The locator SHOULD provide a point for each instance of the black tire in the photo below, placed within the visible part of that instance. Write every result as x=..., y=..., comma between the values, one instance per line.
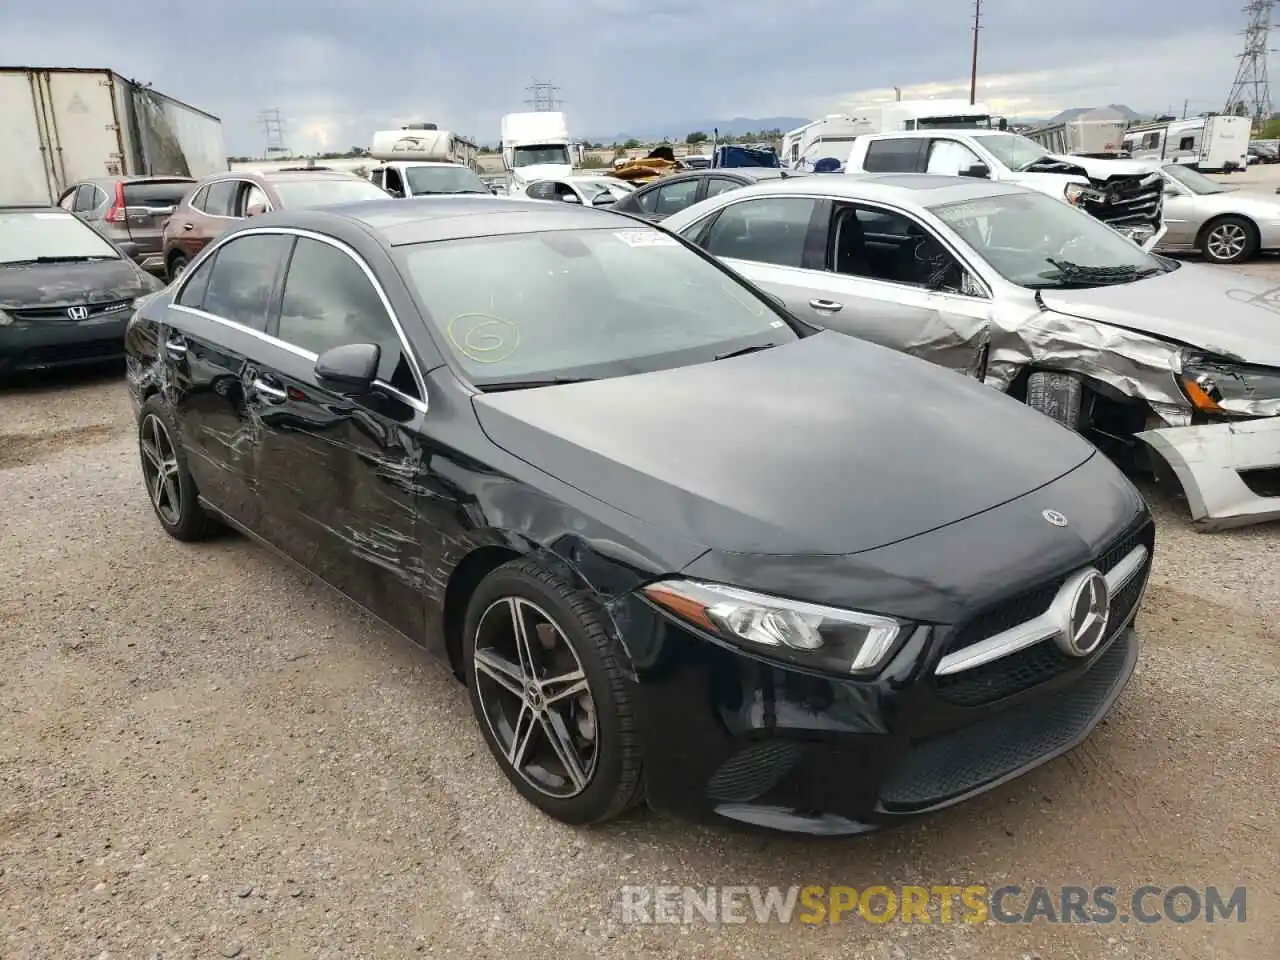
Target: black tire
x=1229, y=239
x=176, y=505
x=615, y=782
x=177, y=263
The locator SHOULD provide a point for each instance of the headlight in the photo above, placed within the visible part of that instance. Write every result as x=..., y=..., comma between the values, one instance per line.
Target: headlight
x=843, y=641
x=1220, y=387
x=1073, y=193
x=1139, y=233
x=5, y=319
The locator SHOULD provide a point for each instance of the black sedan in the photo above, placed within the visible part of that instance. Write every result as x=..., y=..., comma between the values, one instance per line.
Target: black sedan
x=661, y=198
x=680, y=547
x=66, y=293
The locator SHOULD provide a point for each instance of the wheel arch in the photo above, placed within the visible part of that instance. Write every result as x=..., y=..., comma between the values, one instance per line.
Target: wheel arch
x=1203, y=232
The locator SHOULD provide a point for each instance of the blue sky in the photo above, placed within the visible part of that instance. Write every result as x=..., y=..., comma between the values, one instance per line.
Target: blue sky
x=339, y=70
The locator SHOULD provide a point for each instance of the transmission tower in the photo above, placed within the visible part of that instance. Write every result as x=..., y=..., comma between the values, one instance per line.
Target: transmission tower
x=542, y=96
x=273, y=126
x=1251, y=92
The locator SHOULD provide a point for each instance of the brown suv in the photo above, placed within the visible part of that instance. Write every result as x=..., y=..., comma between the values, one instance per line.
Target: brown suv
x=129, y=211
x=217, y=202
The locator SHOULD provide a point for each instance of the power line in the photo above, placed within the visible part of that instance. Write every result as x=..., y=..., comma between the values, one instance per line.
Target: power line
x=273, y=126
x=1250, y=94
x=973, y=66
x=543, y=96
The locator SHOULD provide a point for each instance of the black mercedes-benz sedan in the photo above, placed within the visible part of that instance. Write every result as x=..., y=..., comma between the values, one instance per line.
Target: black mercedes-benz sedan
x=66, y=293
x=680, y=547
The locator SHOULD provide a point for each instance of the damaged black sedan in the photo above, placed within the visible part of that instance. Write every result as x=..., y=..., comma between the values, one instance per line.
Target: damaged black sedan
x=681, y=548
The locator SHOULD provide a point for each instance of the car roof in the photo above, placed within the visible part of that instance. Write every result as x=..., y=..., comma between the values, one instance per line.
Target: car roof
x=920, y=189
x=397, y=222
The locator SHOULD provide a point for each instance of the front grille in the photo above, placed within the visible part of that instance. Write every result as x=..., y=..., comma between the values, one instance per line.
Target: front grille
x=753, y=771
x=83, y=352
x=1129, y=200
x=96, y=312
x=1043, y=661
x=957, y=763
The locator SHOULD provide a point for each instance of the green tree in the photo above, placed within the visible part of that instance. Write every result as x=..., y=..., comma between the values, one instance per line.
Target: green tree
x=631, y=144
x=696, y=137
x=1271, y=131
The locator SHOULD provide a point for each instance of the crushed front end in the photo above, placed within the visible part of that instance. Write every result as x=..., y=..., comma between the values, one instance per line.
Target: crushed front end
x=1132, y=204
x=1225, y=449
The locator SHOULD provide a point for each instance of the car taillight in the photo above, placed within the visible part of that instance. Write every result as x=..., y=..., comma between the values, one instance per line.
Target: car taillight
x=117, y=212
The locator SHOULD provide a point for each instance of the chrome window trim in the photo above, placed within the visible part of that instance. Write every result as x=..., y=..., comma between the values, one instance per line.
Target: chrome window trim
x=886, y=206
x=1037, y=629
x=418, y=404
x=209, y=183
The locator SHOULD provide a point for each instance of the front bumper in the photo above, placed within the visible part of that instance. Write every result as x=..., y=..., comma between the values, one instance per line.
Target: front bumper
x=729, y=736
x=1230, y=472
x=51, y=344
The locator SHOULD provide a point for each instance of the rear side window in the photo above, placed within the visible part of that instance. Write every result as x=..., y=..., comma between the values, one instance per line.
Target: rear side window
x=895, y=155
x=768, y=230
x=220, y=197
x=244, y=277
x=153, y=194
x=192, y=294
x=718, y=185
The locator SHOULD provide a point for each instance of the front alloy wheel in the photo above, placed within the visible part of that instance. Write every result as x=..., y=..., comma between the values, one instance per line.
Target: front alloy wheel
x=535, y=697
x=543, y=668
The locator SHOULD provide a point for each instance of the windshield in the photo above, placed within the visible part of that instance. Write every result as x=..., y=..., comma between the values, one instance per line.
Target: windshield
x=1038, y=241
x=535, y=155
x=1014, y=151
x=443, y=180
x=318, y=192
x=1193, y=180
x=34, y=235
x=577, y=304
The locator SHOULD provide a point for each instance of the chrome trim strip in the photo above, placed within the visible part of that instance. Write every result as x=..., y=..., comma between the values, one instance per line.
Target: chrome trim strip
x=417, y=404
x=1037, y=629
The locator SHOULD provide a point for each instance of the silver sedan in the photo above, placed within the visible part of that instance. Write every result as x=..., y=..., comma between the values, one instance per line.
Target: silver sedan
x=1156, y=361
x=1225, y=224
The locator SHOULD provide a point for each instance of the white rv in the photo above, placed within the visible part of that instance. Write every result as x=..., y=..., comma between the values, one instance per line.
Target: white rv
x=1209, y=144
x=421, y=160
x=833, y=135
x=536, y=146
x=1088, y=133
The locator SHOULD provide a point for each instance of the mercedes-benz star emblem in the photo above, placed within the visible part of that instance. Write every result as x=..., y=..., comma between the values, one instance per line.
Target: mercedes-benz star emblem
x=78, y=313
x=1054, y=517
x=1088, y=609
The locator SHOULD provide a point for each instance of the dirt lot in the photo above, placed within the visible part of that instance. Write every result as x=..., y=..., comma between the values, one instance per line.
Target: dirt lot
x=205, y=754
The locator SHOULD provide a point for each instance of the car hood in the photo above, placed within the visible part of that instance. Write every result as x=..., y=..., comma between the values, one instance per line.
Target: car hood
x=1204, y=307
x=1102, y=169
x=46, y=285
x=827, y=445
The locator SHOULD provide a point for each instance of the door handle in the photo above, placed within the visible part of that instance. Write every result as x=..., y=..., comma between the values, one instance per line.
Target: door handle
x=176, y=346
x=830, y=306
x=269, y=391
x=188, y=226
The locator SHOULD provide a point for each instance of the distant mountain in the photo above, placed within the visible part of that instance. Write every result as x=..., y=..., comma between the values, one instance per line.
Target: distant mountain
x=679, y=130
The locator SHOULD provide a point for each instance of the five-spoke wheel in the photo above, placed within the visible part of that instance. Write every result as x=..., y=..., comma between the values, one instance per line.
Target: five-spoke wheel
x=542, y=666
x=164, y=472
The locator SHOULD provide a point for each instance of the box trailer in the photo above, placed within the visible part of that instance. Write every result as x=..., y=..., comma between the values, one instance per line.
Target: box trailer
x=63, y=124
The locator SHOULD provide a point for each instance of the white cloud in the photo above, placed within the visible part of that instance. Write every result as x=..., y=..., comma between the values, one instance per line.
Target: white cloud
x=1150, y=76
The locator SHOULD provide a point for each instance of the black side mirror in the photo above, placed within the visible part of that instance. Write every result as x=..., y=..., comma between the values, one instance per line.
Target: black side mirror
x=979, y=171
x=604, y=200
x=398, y=194
x=350, y=368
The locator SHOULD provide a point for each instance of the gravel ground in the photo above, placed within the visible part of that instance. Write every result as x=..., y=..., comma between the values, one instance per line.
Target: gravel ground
x=204, y=753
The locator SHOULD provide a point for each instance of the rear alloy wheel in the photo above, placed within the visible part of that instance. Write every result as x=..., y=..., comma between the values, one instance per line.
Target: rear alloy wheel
x=164, y=472
x=177, y=264
x=1229, y=240
x=549, y=695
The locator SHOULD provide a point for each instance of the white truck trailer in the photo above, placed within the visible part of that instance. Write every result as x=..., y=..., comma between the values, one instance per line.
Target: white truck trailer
x=423, y=160
x=1209, y=144
x=535, y=146
x=64, y=124
x=1092, y=133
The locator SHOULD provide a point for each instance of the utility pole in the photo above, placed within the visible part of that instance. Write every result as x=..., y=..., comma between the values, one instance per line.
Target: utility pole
x=542, y=96
x=1184, y=108
x=1250, y=94
x=973, y=67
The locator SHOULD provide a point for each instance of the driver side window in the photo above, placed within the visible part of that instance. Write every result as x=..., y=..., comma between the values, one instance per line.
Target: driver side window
x=948, y=158
x=878, y=244
x=395, y=183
